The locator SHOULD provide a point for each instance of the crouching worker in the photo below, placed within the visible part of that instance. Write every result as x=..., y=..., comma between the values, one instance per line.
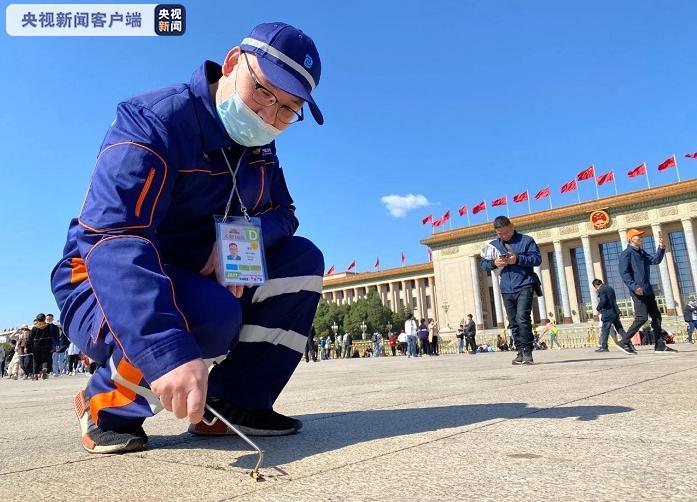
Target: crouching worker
x=137, y=286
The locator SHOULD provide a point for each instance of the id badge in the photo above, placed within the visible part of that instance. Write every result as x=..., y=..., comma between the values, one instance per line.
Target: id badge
x=240, y=250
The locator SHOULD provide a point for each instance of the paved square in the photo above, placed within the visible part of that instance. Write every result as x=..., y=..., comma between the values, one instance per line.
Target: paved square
x=576, y=426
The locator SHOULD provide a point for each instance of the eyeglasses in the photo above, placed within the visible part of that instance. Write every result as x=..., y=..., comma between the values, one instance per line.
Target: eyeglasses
x=264, y=97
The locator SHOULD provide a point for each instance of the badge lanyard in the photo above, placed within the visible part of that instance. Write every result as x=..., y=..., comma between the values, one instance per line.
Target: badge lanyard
x=235, y=190
x=245, y=264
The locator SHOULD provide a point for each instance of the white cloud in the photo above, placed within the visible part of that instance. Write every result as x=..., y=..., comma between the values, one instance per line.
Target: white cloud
x=400, y=205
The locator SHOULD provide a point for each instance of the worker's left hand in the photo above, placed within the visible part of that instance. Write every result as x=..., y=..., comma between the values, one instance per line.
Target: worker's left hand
x=512, y=259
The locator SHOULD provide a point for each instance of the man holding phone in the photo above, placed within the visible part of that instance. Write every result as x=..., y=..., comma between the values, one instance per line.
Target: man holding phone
x=518, y=254
x=634, y=268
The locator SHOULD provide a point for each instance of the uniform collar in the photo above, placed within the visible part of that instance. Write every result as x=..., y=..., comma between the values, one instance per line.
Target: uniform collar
x=213, y=132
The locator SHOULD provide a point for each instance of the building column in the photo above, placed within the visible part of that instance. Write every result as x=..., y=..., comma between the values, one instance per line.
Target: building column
x=420, y=299
x=434, y=300
x=541, y=304
x=590, y=275
x=382, y=289
x=423, y=295
x=498, y=302
x=691, y=249
x=623, y=238
x=395, y=296
x=561, y=278
x=665, y=276
x=476, y=292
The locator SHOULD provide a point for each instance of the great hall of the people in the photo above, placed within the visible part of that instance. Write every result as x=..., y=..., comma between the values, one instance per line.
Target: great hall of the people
x=578, y=243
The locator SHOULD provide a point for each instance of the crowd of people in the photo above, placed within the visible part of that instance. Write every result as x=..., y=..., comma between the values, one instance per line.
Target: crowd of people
x=40, y=351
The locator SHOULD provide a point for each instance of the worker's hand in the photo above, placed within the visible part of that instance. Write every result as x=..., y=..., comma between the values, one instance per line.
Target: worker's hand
x=661, y=243
x=236, y=290
x=639, y=291
x=500, y=262
x=512, y=259
x=183, y=390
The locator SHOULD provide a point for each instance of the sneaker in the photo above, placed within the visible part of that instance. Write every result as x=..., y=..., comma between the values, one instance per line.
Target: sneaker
x=665, y=350
x=527, y=357
x=627, y=349
x=518, y=359
x=250, y=422
x=601, y=349
x=96, y=440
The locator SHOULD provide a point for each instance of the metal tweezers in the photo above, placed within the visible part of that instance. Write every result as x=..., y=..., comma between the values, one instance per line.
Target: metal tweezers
x=255, y=474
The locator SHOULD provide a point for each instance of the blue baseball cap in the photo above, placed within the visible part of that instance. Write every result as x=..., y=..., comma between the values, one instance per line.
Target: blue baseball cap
x=289, y=60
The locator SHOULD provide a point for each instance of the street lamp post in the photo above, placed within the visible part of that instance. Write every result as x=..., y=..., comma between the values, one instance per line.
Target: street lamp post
x=389, y=327
x=363, y=328
x=335, y=328
x=445, y=306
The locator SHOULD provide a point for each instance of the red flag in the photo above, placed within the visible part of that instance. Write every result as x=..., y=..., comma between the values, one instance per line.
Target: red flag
x=569, y=187
x=605, y=178
x=438, y=222
x=427, y=219
x=501, y=201
x=586, y=174
x=691, y=155
x=542, y=193
x=479, y=207
x=404, y=259
x=446, y=216
x=667, y=164
x=331, y=270
x=639, y=170
x=462, y=210
x=353, y=265
x=521, y=197
x=377, y=262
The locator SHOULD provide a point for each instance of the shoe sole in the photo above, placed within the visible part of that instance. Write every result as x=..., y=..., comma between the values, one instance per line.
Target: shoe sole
x=81, y=411
x=220, y=429
x=665, y=351
x=626, y=351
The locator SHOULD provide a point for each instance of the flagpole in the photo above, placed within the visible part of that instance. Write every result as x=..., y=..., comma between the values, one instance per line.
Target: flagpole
x=676, y=166
x=528, y=194
x=486, y=211
x=468, y=217
x=614, y=182
x=508, y=214
x=646, y=172
x=578, y=193
x=550, y=200
x=597, y=193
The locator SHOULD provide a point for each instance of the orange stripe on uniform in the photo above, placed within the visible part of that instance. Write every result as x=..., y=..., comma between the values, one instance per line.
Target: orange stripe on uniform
x=120, y=397
x=78, y=272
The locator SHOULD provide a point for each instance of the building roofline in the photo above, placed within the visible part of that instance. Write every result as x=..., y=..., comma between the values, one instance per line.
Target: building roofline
x=361, y=277
x=560, y=213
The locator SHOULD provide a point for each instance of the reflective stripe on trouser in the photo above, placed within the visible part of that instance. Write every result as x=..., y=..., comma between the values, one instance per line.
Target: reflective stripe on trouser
x=277, y=318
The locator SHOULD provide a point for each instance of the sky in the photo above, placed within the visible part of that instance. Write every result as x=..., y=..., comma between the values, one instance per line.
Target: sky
x=428, y=105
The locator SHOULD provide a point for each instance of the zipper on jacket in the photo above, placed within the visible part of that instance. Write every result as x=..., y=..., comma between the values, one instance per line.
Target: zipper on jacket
x=144, y=191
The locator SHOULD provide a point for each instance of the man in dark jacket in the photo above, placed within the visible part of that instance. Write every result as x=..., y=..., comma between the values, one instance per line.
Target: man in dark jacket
x=634, y=268
x=688, y=313
x=609, y=315
x=516, y=255
x=470, y=332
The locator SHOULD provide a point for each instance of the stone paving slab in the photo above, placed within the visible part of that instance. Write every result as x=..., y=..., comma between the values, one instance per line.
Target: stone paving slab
x=576, y=426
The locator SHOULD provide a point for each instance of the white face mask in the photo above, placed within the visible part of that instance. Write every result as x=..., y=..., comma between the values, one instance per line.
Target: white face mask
x=245, y=127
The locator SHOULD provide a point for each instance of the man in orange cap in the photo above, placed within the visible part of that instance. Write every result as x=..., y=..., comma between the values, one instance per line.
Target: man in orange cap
x=634, y=268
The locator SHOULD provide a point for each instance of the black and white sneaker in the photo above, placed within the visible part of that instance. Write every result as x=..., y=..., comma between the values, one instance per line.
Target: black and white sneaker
x=96, y=440
x=627, y=349
x=601, y=349
x=518, y=359
x=527, y=357
x=251, y=422
x=664, y=349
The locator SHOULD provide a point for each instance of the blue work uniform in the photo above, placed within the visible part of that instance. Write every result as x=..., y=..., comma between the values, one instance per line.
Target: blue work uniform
x=128, y=285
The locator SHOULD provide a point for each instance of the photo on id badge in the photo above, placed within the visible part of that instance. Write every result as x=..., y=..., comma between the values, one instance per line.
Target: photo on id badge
x=242, y=253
